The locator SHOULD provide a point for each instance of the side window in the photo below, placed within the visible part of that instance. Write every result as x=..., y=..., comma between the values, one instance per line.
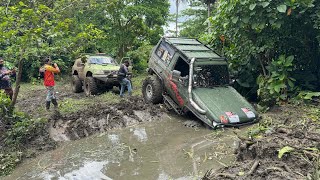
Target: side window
x=165, y=53
x=182, y=66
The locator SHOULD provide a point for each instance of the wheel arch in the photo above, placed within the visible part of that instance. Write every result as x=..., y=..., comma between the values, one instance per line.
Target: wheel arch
x=89, y=74
x=154, y=73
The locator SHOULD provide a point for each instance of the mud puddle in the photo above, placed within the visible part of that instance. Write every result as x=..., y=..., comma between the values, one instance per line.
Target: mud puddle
x=164, y=149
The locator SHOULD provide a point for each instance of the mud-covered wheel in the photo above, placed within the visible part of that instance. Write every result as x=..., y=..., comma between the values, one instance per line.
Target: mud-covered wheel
x=152, y=90
x=76, y=84
x=90, y=87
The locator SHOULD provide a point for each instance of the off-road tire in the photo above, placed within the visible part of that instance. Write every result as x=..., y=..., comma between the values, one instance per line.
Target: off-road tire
x=90, y=86
x=76, y=84
x=152, y=90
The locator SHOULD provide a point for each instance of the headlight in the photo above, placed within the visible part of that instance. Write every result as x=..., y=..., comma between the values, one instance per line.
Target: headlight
x=100, y=72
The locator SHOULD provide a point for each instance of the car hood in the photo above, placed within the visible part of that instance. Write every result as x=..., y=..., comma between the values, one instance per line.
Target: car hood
x=224, y=105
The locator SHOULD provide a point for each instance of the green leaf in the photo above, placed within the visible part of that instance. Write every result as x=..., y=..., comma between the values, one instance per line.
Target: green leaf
x=277, y=88
x=309, y=96
x=278, y=24
x=290, y=83
x=21, y=3
x=235, y=20
x=290, y=59
x=271, y=21
x=286, y=149
x=252, y=6
x=283, y=96
x=245, y=19
x=282, y=8
x=265, y=4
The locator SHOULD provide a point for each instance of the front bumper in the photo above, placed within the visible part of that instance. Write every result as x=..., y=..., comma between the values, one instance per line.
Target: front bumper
x=107, y=79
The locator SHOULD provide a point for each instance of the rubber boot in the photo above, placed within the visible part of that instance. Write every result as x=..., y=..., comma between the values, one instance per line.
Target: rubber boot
x=47, y=105
x=54, y=102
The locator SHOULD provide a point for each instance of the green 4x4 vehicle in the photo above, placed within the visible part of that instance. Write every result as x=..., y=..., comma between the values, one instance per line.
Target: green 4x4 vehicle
x=188, y=76
x=94, y=73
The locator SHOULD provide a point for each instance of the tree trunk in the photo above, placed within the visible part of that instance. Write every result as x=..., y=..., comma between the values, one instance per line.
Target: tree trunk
x=17, y=88
x=177, y=14
x=209, y=13
x=262, y=66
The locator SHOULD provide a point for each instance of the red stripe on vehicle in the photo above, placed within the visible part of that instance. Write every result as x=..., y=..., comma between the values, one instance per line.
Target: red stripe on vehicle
x=175, y=90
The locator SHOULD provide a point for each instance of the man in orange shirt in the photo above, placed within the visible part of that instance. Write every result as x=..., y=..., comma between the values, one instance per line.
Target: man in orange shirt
x=49, y=82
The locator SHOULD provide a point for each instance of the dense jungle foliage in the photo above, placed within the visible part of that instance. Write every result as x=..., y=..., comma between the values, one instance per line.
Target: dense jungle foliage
x=272, y=46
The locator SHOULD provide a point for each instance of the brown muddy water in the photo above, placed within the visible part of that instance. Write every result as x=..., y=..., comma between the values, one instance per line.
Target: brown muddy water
x=160, y=150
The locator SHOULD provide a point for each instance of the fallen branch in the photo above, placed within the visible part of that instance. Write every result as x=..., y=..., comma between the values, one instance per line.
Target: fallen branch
x=107, y=119
x=287, y=168
x=254, y=167
x=274, y=169
x=283, y=130
x=225, y=175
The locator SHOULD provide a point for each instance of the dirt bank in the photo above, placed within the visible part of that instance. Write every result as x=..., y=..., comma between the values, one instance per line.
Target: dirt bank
x=285, y=145
x=101, y=117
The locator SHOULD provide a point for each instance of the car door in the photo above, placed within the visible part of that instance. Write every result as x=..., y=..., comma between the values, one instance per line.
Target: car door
x=178, y=83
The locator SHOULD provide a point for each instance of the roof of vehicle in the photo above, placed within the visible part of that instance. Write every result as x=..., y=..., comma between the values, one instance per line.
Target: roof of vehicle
x=96, y=54
x=192, y=48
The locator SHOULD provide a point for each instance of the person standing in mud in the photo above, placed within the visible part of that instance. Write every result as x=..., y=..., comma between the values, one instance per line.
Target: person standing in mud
x=122, y=78
x=5, y=82
x=49, y=70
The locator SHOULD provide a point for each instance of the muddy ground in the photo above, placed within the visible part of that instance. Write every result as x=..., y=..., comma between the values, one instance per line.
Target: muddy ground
x=258, y=156
x=95, y=116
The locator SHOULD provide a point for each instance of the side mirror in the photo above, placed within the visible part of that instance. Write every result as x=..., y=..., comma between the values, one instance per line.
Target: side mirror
x=84, y=59
x=176, y=75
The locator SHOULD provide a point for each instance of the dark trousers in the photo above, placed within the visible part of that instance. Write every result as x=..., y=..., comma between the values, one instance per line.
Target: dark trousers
x=9, y=92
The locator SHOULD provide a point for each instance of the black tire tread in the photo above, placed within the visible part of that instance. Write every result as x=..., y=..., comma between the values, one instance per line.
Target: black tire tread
x=77, y=84
x=93, y=88
x=156, y=87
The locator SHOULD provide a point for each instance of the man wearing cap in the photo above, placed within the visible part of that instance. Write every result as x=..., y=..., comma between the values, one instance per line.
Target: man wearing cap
x=122, y=78
x=5, y=75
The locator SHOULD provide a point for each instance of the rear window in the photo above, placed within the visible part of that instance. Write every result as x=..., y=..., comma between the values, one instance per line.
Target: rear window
x=101, y=60
x=211, y=75
x=165, y=52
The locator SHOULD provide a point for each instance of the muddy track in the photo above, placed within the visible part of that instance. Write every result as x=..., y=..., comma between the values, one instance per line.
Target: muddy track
x=96, y=117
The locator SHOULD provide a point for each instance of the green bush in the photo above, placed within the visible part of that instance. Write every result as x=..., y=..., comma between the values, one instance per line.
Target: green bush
x=140, y=57
x=24, y=130
x=252, y=34
x=275, y=88
x=4, y=106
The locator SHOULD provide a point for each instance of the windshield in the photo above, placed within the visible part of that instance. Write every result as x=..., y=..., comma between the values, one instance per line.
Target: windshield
x=101, y=60
x=211, y=75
